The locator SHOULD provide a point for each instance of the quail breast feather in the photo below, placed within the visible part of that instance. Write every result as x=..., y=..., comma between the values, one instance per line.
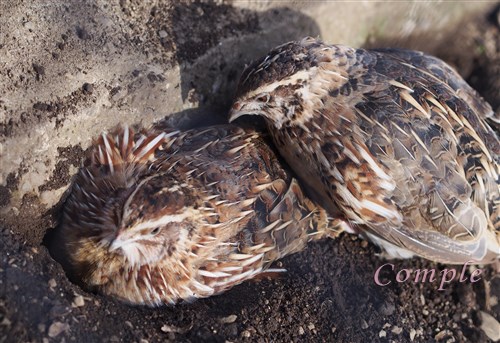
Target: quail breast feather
x=162, y=216
x=393, y=140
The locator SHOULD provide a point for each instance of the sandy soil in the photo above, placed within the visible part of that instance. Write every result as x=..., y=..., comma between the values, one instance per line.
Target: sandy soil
x=328, y=293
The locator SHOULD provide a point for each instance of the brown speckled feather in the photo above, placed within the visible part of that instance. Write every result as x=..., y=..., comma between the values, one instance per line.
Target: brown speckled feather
x=391, y=139
x=163, y=216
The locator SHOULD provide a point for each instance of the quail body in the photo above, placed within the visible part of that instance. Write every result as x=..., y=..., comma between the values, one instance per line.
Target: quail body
x=162, y=216
x=393, y=141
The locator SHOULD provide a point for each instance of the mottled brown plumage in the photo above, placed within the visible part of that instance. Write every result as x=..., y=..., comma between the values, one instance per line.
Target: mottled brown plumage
x=163, y=216
x=394, y=141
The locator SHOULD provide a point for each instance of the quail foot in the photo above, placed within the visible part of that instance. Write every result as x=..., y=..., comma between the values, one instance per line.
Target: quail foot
x=394, y=141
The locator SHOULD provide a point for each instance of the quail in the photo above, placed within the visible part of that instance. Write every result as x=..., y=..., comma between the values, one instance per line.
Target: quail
x=162, y=216
x=393, y=142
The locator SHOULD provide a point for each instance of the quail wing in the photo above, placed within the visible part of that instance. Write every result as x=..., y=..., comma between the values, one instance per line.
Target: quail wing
x=392, y=139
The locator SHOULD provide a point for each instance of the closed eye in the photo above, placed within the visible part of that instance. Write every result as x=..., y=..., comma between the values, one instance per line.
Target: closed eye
x=155, y=231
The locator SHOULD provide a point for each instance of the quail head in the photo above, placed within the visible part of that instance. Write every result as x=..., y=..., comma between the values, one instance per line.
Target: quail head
x=161, y=216
x=393, y=141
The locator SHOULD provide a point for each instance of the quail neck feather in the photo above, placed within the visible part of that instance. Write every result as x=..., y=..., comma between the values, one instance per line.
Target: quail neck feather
x=395, y=141
x=162, y=216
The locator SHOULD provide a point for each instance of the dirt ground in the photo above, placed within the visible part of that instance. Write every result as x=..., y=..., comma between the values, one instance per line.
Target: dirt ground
x=328, y=293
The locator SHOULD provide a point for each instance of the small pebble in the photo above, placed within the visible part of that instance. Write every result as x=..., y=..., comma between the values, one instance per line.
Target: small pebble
x=490, y=326
x=440, y=335
x=168, y=328
x=396, y=330
x=5, y=322
x=57, y=328
x=413, y=333
x=245, y=334
x=301, y=330
x=52, y=283
x=229, y=319
x=78, y=301
x=163, y=33
x=382, y=333
x=311, y=326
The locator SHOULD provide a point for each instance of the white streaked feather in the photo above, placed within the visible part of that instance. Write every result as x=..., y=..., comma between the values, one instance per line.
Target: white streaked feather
x=212, y=274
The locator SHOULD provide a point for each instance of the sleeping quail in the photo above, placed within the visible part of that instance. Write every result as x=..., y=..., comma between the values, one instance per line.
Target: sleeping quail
x=393, y=141
x=161, y=216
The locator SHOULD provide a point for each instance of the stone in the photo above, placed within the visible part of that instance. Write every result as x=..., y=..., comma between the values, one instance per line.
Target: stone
x=56, y=328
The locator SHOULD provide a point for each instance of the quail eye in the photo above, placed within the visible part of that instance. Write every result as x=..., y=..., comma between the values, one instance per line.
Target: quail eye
x=264, y=98
x=155, y=231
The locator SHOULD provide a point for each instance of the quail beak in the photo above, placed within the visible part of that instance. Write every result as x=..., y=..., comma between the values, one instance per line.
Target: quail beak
x=235, y=112
x=239, y=110
x=117, y=243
